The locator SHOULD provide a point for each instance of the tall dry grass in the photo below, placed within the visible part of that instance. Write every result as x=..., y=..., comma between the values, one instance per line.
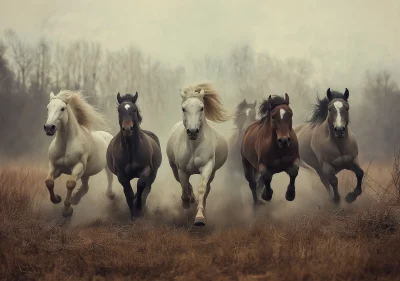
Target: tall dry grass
x=355, y=244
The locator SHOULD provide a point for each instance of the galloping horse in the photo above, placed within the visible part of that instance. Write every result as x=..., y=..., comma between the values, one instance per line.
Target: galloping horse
x=194, y=147
x=327, y=144
x=245, y=114
x=270, y=146
x=76, y=150
x=133, y=153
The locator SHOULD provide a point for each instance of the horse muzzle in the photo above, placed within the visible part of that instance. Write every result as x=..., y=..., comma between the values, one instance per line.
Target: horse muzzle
x=50, y=129
x=339, y=131
x=192, y=133
x=127, y=131
x=284, y=142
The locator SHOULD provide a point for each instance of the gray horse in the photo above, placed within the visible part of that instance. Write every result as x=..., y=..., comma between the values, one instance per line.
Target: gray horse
x=327, y=144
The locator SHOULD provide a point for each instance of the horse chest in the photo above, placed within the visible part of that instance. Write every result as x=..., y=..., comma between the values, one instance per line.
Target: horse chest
x=342, y=160
x=194, y=164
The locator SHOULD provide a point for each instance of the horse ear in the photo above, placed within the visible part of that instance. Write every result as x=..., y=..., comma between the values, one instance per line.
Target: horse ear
x=286, y=97
x=134, y=99
x=182, y=93
x=119, y=100
x=244, y=101
x=255, y=104
x=346, y=94
x=329, y=94
x=52, y=95
x=201, y=92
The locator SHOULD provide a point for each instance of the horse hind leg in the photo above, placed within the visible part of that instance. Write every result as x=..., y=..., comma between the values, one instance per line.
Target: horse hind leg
x=77, y=196
x=109, y=193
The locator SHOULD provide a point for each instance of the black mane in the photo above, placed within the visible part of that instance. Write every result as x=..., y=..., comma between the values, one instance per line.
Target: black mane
x=129, y=98
x=320, y=109
x=266, y=106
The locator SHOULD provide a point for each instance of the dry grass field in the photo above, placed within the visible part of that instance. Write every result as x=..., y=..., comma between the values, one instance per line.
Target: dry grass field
x=358, y=243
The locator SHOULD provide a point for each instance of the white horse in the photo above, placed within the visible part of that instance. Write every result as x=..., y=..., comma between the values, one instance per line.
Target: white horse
x=76, y=150
x=194, y=147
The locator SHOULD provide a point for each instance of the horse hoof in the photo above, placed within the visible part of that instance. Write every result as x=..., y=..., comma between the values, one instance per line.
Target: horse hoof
x=56, y=199
x=290, y=194
x=267, y=194
x=351, y=197
x=67, y=212
x=110, y=195
x=199, y=221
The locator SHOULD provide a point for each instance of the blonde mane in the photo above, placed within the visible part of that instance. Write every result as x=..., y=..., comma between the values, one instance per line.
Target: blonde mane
x=213, y=109
x=86, y=115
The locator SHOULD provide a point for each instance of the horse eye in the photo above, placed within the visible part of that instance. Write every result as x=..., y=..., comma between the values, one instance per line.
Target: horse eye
x=62, y=109
x=202, y=109
x=184, y=110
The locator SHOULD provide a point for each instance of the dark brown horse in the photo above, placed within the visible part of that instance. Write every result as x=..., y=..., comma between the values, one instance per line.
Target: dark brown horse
x=133, y=153
x=270, y=146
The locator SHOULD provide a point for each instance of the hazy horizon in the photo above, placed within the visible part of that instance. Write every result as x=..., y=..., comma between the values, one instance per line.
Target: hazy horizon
x=341, y=39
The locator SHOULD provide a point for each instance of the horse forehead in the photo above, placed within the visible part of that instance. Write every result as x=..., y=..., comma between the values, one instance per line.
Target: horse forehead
x=56, y=103
x=282, y=112
x=192, y=103
x=338, y=105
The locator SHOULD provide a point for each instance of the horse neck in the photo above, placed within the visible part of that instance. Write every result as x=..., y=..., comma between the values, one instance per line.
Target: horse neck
x=131, y=143
x=68, y=130
x=266, y=129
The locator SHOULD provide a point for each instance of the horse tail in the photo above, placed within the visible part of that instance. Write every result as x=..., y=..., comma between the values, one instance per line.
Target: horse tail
x=306, y=167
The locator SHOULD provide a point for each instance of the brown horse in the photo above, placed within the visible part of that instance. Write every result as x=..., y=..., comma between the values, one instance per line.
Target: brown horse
x=133, y=153
x=270, y=146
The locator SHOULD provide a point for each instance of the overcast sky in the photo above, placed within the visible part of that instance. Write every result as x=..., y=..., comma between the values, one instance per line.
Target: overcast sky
x=343, y=38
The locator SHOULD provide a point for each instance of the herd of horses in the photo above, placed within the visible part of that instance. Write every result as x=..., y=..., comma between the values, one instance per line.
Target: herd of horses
x=258, y=149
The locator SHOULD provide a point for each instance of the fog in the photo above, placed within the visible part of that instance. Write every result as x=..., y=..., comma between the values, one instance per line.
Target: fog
x=247, y=49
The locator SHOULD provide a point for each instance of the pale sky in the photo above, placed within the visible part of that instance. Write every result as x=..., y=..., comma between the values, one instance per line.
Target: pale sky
x=342, y=38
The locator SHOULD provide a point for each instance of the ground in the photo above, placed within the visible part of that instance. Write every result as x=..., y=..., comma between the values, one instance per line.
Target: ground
x=359, y=243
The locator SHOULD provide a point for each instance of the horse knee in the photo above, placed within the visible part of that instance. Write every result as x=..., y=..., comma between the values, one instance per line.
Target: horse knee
x=141, y=184
x=293, y=171
x=266, y=176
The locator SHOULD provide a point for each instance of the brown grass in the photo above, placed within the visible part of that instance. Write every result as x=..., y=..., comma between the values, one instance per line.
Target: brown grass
x=358, y=244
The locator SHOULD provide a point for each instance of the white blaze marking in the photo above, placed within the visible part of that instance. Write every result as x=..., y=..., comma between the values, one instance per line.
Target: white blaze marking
x=338, y=105
x=248, y=111
x=282, y=112
x=127, y=106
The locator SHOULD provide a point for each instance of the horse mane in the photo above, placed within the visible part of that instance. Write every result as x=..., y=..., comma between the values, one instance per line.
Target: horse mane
x=320, y=109
x=86, y=115
x=129, y=97
x=266, y=106
x=213, y=108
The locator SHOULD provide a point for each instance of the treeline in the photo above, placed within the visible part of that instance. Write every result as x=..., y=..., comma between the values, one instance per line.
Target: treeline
x=29, y=72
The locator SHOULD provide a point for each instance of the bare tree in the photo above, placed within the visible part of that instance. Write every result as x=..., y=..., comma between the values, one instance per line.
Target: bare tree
x=22, y=55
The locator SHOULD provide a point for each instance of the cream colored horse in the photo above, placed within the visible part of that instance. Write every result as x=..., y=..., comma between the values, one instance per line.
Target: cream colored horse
x=76, y=150
x=194, y=147
x=327, y=144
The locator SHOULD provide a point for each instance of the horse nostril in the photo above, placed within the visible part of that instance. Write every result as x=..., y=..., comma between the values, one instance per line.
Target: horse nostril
x=53, y=127
x=188, y=131
x=288, y=139
x=44, y=127
x=197, y=130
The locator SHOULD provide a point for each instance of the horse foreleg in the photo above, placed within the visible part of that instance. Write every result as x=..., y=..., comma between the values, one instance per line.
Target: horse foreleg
x=206, y=174
x=266, y=176
x=129, y=195
x=352, y=196
x=77, y=196
x=250, y=175
x=329, y=173
x=109, y=193
x=141, y=185
x=186, y=194
x=292, y=171
x=76, y=174
x=51, y=176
